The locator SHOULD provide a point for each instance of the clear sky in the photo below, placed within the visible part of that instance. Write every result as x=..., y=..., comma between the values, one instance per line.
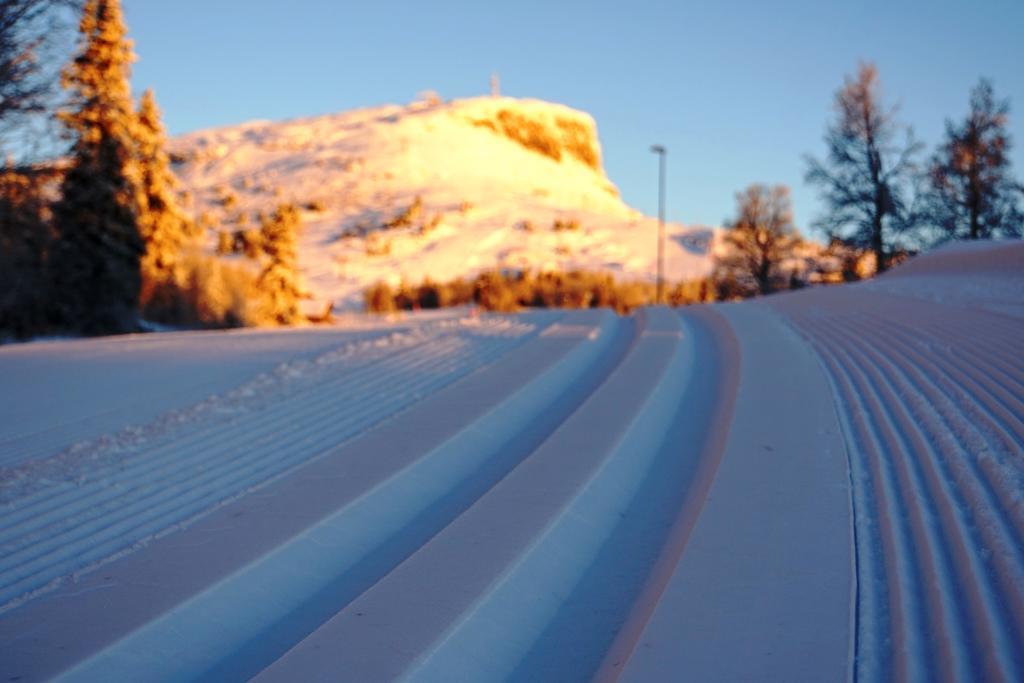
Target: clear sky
x=738, y=91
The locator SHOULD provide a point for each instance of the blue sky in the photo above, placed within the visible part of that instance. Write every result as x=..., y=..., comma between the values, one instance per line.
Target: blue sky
x=738, y=91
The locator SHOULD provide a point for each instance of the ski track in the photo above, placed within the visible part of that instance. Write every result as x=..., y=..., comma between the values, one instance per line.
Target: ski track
x=225, y=360
x=53, y=532
x=932, y=413
x=602, y=426
x=606, y=517
x=550, y=496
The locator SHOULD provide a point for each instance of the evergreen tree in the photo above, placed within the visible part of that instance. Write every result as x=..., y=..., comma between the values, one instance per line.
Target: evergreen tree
x=760, y=239
x=163, y=226
x=279, y=279
x=865, y=177
x=973, y=194
x=24, y=244
x=95, y=262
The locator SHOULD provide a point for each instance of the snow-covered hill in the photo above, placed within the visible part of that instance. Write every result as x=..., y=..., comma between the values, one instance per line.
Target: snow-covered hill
x=433, y=189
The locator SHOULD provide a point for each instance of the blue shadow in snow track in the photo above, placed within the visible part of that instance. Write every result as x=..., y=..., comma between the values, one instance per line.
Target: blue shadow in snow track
x=651, y=531
x=257, y=654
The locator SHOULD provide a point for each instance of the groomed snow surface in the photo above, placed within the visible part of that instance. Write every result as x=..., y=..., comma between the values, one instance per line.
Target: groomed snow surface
x=818, y=486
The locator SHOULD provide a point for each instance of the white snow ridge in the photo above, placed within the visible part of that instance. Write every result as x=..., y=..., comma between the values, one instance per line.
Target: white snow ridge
x=821, y=485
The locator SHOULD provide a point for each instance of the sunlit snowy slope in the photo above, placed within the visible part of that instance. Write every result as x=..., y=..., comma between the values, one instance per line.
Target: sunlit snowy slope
x=433, y=189
x=822, y=485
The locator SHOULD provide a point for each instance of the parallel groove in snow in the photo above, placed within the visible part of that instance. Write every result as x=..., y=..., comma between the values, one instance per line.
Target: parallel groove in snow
x=936, y=462
x=989, y=505
x=952, y=565
x=569, y=502
x=41, y=510
x=1002, y=494
x=990, y=379
x=533, y=589
x=946, y=406
x=330, y=563
x=48, y=536
x=246, y=354
x=563, y=538
x=895, y=546
x=139, y=495
x=361, y=368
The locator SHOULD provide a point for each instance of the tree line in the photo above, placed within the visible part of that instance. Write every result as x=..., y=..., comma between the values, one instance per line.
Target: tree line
x=99, y=241
x=507, y=291
x=880, y=199
x=881, y=202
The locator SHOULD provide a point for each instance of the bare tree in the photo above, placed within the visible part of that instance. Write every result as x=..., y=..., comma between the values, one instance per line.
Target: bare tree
x=27, y=28
x=867, y=172
x=972, y=192
x=760, y=239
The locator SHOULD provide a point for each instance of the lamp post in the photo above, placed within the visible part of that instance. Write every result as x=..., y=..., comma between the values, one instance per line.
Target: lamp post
x=662, y=153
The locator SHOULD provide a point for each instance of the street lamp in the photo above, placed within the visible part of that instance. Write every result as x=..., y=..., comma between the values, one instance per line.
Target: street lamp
x=662, y=153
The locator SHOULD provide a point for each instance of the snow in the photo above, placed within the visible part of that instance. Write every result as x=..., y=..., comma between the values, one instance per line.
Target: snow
x=813, y=486
x=187, y=368
x=129, y=487
x=930, y=398
x=329, y=559
x=535, y=537
x=495, y=200
x=981, y=274
x=762, y=591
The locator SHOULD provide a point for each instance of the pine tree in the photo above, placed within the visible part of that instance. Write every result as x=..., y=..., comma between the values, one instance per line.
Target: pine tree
x=24, y=245
x=279, y=279
x=973, y=194
x=95, y=264
x=163, y=226
x=760, y=239
x=865, y=176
